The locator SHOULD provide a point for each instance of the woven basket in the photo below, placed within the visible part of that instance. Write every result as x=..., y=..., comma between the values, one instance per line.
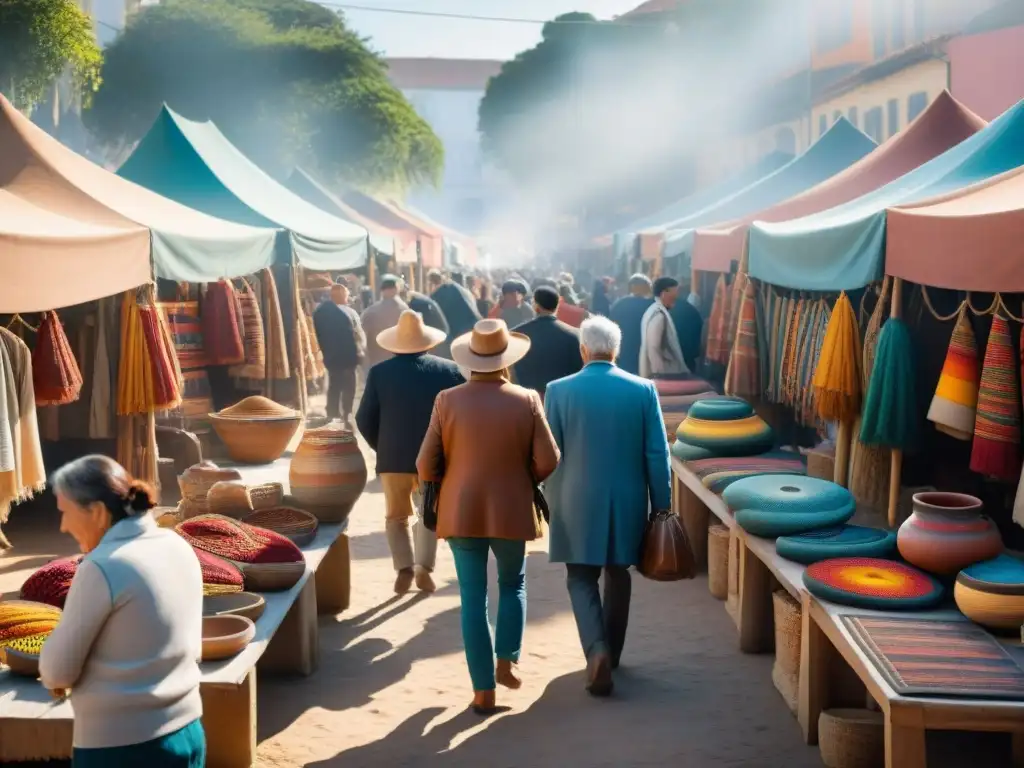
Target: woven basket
x=20, y=663
x=187, y=509
x=257, y=407
x=732, y=600
x=230, y=498
x=718, y=561
x=328, y=472
x=167, y=517
x=297, y=525
x=271, y=577
x=786, y=671
x=255, y=441
x=196, y=481
x=851, y=738
x=266, y=496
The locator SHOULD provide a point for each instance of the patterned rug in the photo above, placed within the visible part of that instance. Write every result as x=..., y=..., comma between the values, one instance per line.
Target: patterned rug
x=920, y=657
x=197, y=402
x=718, y=474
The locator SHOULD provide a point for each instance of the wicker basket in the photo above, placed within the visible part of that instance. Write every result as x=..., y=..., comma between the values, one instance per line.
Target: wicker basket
x=230, y=498
x=786, y=672
x=328, y=473
x=732, y=600
x=266, y=496
x=255, y=441
x=196, y=481
x=297, y=525
x=851, y=738
x=257, y=407
x=718, y=561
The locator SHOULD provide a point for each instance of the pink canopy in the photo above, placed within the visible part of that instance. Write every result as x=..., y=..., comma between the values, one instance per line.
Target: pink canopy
x=942, y=126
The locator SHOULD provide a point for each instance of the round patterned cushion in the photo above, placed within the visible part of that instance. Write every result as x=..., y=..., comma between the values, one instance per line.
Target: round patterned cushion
x=865, y=582
x=50, y=584
x=841, y=541
x=783, y=505
x=25, y=625
x=219, y=576
x=725, y=426
x=233, y=540
x=991, y=593
x=722, y=409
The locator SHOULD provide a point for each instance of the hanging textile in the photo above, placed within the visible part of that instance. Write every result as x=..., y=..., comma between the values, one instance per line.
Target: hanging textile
x=718, y=325
x=148, y=378
x=955, y=404
x=837, y=377
x=56, y=377
x=99, y=401
x=890, y=406
x=181, y=319
x=254, y=342
x=277, y=345
x=996, y=448
x=22, y=473
x=222, y=334
x=736, y=292
x=743, y=377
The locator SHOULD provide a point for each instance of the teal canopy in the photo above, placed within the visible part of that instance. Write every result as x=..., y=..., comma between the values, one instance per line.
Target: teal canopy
x=841, y=146
x=843, y=248
x=625, y=238
x=194, y=164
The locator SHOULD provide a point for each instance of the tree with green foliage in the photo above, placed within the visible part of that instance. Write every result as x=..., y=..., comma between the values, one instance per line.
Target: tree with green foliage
x=39, y=40
x=285, y=80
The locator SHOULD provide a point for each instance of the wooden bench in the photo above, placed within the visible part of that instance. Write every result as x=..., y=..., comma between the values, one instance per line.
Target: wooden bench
x=286, y=642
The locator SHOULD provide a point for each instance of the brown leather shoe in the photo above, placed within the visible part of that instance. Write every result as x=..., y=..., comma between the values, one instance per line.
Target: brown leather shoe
x=599, y=674
x=424, y=581
x=403, y=581
x=505, y=674
x=484, y=702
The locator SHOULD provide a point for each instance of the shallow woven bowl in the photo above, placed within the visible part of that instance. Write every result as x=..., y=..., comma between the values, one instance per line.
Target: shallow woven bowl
x=225, y=636
x=246, y=604
x=266, y=496
x=20, y=663
x=298, y=525
x=255, y=441
x=230, y=498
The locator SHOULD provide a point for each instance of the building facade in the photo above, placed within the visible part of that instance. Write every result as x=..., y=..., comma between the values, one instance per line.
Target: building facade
x=447, y=94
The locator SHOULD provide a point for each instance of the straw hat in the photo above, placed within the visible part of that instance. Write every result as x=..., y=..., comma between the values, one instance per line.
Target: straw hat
x=410, y=335
x=489, y=347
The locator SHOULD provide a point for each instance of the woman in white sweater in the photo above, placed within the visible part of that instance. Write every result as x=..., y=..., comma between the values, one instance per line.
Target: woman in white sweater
x=128, y=643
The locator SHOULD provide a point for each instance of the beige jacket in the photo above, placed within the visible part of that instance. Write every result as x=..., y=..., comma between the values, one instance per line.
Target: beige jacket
x=379, y=317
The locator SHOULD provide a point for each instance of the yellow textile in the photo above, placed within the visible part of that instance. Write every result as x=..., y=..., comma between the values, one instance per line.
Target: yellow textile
x=837, y=377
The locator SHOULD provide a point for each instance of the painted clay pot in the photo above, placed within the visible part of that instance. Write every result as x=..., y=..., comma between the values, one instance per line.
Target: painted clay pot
x=328, y=472
x=947, y=532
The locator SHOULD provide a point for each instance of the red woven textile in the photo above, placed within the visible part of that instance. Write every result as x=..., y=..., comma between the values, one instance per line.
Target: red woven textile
x=222, y=331
x=50, y=584
x=233, y=540
x=218, y=572
x=56, y=377
x=166, y=390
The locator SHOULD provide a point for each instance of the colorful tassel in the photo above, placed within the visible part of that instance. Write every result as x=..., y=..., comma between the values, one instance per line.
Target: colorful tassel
x=837, y=377
x=56, y=377
x=996, y=449
x=955, y=404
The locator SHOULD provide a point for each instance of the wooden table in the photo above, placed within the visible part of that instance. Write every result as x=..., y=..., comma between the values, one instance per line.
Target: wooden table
x=907, y=718
x=286, y=641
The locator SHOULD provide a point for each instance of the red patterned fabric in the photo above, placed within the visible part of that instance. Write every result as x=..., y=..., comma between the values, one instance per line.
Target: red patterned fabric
x=56, y=377
x=233, y=540
x=222, y=331
x=50, y=584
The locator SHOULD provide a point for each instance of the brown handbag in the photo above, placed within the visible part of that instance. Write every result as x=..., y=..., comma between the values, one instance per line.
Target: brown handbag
x=665, y=554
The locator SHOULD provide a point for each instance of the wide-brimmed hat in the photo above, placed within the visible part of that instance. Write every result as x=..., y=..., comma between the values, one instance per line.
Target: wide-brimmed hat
x=489, y=347
x=410, y=336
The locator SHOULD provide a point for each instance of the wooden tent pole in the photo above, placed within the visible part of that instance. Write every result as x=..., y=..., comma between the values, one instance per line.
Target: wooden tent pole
x=371, y=272
x=896, y=462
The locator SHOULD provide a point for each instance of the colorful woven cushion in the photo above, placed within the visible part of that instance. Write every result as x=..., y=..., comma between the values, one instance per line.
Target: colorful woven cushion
x=841, y=541
x=50, y=584
x=219, y=576
x=237, y=541
x=25, y=625
x=992, y=593
x=717, y=474
x=782, y=505
x=866, y=582
x=724, y=426
x=675, y=387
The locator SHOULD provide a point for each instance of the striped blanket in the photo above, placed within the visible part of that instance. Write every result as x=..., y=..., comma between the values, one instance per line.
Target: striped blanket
x=197, y=402
x=718, y=474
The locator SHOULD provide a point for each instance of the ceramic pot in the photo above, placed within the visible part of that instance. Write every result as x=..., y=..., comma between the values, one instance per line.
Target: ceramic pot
x=328, y=472
x=947, y=532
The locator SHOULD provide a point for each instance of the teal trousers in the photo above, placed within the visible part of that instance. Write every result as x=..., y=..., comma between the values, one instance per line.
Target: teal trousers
x=184, y=748
x=471, y=557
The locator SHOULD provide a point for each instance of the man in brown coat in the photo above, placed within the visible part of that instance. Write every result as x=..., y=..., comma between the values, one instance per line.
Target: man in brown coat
x=489, y=445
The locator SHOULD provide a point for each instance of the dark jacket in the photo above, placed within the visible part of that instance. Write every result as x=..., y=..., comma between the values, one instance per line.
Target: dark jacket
x=628, y=314
x=599, y=303
x=426, y=306
x=394, y=413
x=337, y=333
x=459, y=311
x=689, y=328
x=554, y=353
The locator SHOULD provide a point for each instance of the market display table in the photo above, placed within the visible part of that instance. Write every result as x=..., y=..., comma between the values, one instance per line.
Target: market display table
x=907, y=718
x=286, y=642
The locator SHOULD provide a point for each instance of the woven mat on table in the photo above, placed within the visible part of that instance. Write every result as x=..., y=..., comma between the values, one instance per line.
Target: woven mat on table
x=197, y=402
x=718, y=474
x=922, y=657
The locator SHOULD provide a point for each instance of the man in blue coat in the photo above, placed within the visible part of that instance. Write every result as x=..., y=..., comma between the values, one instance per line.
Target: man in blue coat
x=614, y=470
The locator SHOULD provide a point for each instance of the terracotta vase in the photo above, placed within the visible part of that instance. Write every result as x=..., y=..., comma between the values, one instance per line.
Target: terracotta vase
x=328, y=472
x=947, y=532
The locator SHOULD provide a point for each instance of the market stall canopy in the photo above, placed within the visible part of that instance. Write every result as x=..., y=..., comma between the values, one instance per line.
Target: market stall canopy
x=698, y=201
x=184, y=243
x=196, y=165
x=312, y=191
x=944, y=124
x=969, y=240
x=431, y=241
x=462, y=248
x=842, y=248
x=841, y=146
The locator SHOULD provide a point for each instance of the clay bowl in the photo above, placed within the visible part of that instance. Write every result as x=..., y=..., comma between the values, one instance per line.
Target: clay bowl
x=255, y=441
x=246, y=604
x=225, y=636
x=20, y=663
